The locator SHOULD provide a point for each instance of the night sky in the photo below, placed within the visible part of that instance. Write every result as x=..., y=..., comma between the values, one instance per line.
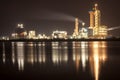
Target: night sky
x=44, y=16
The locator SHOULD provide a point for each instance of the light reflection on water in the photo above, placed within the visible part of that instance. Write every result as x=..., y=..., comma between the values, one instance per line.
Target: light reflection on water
x=20, y=55
x=98, y=55
x=3, y=55
x=82, y=53
x=59, y=52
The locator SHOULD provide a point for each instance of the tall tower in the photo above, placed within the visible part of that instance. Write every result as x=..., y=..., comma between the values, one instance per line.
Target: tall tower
x=97, y=20
x=97, y=16
x=91, y=19
x=76, y=26
x=96, y=30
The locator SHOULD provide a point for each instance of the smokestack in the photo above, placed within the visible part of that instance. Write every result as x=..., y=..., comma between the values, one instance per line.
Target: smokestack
x=91, y=19
x=76, y=26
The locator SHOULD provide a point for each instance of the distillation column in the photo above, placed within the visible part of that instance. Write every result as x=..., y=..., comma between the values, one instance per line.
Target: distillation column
x=92, y=24
x=97, y=20
x=76, y=31
x=91, y=19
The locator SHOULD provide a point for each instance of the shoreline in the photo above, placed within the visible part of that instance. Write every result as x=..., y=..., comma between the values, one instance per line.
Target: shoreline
x=50, y=40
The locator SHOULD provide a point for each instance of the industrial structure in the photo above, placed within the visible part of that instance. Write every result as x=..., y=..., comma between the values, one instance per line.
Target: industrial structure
x=76, y=30
x=20, y=32
x=79, y=32
x=96, y=29
x=59, y=35
x=32, y=34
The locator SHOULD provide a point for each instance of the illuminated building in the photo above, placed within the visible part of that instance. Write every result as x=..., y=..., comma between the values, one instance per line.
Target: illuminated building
x=83, y=32
x=14, y=35
x=97, y=15
x=4, y=38
x=91, y=19
x=95, y=29
x=103, y=31
x=59, y=34
x=76, y=27
x=99, y=31
x=90, y=29
x=32, y=34
x=20, y=32
x=42, y=36
x=80, y=32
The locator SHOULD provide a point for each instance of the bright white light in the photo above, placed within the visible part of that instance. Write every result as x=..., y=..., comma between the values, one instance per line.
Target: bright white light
x=20, y=25
x=83, y=23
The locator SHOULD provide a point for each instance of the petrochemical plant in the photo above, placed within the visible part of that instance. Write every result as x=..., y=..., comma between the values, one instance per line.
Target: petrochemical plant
x=94, y=31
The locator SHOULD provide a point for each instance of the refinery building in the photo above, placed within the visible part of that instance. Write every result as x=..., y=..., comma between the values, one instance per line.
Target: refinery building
x=94, y=31
x=99, y=31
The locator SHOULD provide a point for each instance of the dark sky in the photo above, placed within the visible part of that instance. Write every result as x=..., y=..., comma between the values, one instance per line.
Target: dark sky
x=44, y=16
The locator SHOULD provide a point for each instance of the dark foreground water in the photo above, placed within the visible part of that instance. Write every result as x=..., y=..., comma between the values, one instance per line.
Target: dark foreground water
x=60, y=60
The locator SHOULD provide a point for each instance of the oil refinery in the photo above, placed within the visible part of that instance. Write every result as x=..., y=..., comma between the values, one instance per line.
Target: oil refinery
x=98, y=30
x=95, y=30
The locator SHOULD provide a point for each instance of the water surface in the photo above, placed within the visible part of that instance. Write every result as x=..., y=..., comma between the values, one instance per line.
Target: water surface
x=93, y=60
